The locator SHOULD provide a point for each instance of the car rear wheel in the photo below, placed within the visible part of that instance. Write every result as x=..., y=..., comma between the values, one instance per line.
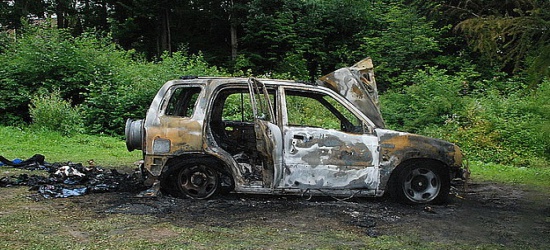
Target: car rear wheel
x=422, y=182
x=197, y=181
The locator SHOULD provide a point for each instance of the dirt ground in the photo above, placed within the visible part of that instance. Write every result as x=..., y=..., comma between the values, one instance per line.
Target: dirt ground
x=484, y=213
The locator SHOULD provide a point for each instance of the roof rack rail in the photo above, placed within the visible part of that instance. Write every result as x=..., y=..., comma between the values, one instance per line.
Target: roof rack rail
x=188, y=77
x=306, y=82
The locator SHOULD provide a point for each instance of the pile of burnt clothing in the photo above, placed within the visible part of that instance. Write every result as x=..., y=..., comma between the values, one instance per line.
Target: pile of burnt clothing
x=68, y=179
x=33, y=163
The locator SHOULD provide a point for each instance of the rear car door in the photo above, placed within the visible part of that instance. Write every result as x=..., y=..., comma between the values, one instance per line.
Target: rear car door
x=268, y=135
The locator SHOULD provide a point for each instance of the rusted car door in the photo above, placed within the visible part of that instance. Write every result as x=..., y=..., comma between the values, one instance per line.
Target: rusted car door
x=268, y=135
x=318, y=155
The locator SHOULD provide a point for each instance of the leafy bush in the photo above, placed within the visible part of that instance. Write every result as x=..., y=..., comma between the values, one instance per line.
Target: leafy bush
x=402, y=43
x=499, y=120
x=130, y=89
x=540, y=105
x=50, y=112
x=496, y=119
x=46, y=58
x=501, y=128
x=109, y=83
x=434, y=98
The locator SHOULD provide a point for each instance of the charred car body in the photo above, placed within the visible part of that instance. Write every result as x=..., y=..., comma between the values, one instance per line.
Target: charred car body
x=202, y=136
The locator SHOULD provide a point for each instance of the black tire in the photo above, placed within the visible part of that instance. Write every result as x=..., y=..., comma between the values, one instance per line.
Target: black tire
x=173, y=181
x=195, y=181
x=422, y=182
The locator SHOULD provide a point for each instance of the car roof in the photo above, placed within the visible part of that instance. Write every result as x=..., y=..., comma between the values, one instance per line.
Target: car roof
x=218, y=81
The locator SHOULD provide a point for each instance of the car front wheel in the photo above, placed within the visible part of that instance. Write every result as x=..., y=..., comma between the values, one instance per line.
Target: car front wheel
x=422, y=182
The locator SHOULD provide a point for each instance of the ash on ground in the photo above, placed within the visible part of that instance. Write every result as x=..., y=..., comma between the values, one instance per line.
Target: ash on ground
x=67, y=179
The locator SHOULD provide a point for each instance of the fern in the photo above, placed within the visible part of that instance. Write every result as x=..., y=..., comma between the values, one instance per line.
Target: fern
x=517, y=36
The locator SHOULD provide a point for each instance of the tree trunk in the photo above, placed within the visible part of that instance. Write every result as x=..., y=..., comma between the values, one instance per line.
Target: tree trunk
x=164, y=40
x=103, y=16
x=60, y=11
x=233, y=32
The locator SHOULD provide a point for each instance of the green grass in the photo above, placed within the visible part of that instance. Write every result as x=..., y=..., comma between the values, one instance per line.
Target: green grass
x=537, y=177
x=105, y=151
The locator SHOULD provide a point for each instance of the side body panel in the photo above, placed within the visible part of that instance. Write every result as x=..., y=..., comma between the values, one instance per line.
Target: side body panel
x=167, y=136
x=398, y=147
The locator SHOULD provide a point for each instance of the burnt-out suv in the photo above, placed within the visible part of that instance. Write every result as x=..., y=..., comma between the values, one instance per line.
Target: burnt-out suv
x=207, y=135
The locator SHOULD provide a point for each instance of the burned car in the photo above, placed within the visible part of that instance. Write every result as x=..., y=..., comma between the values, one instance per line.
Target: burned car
x=202, y=136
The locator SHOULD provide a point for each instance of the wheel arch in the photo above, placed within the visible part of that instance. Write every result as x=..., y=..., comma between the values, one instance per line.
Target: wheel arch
x=174, y=163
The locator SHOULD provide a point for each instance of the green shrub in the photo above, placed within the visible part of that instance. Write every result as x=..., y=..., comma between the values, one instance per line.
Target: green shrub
x=434, y=98
x=50, y=112
x=539, y=104
x=130, y=88
x=109, y=83
x=499, y=120
x=402, y=43
x=502, y=128
x=293, y=66
x=49, y=58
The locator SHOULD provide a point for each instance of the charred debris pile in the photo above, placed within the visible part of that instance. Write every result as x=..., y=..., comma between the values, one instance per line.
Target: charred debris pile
x=68, y=179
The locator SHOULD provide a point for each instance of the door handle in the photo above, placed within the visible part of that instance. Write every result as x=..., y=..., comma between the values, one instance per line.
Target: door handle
x=299, y=137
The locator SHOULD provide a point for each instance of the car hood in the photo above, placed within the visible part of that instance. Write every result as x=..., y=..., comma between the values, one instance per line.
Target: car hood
x=357, y=84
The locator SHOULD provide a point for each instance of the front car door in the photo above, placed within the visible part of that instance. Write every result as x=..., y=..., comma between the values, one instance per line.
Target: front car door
x=325, y=146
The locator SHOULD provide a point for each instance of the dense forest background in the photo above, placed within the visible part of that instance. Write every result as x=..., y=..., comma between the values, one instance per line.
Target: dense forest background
x=475, y=72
